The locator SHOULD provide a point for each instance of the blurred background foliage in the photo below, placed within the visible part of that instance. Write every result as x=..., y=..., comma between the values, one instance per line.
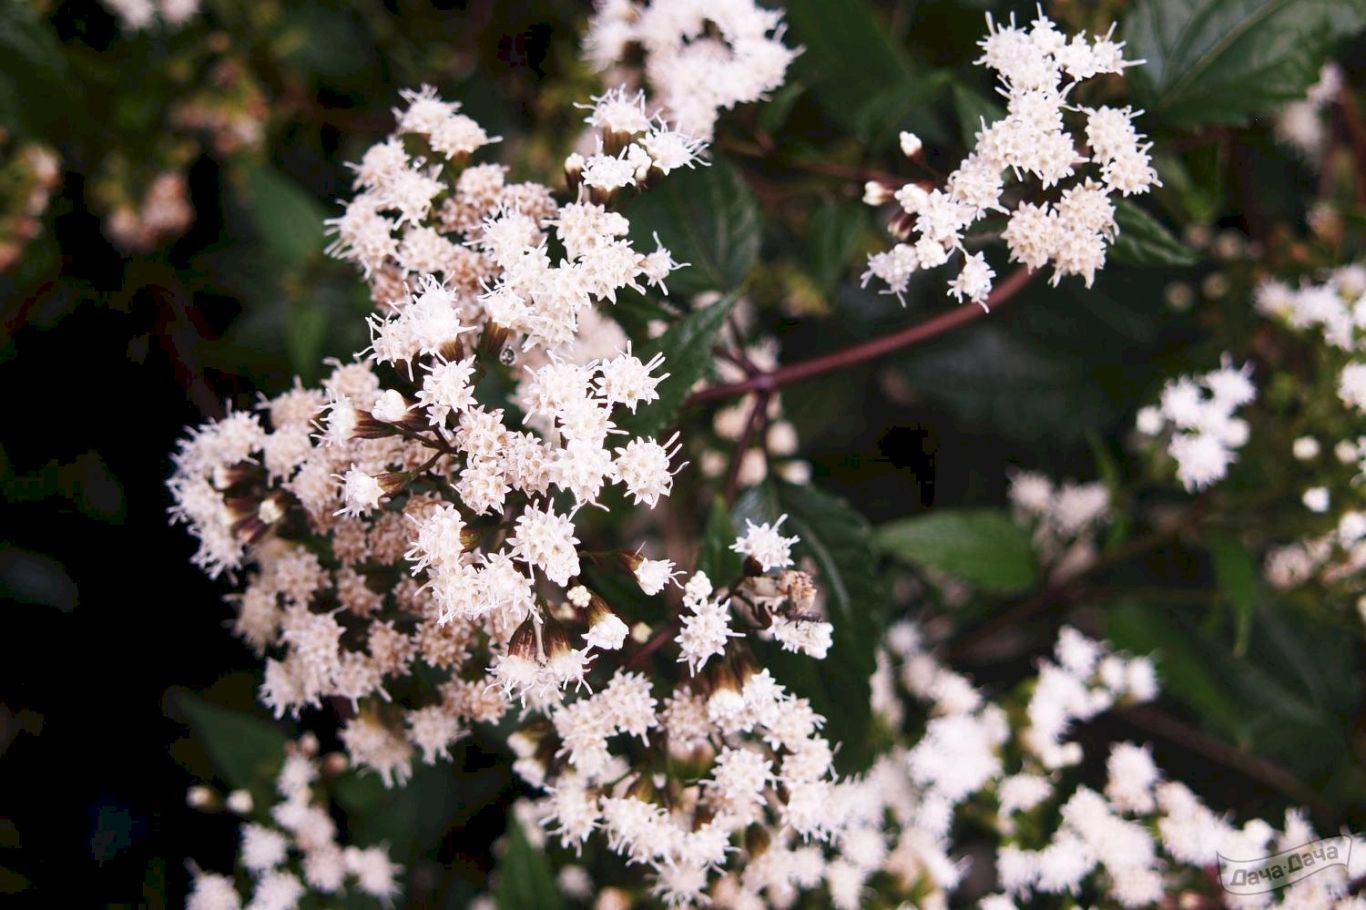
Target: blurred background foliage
x=120, y=684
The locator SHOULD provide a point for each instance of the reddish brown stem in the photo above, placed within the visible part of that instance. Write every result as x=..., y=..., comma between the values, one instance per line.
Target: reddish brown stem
x=772, y=380
x=662, y=637
x=1356, y=132
x=756, y=417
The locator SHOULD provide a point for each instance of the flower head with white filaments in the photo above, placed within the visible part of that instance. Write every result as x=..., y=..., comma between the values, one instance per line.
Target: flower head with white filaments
x=1038, y=68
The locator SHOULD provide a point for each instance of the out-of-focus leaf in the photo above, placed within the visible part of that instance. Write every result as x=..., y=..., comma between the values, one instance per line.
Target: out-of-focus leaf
x=847, y=58
x=289, y=220
x=305, y=334
x=1144, y=241
x=525, y=880
x=717, y=559
x=413, y=819
x=1185, y=672
x=1289, y=698
x=973, y=109
x=1224, y=61
x=36, y=578
x=246, y=749
x=832, y=236
x=686, y=347
x=34, y=68
x=839, y=542
x=705, y=217
x=980, y=546
x=1235, y=571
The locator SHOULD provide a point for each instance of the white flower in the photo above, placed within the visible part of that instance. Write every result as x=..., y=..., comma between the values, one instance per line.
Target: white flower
x=361, y=493
x=653, y=574
x=765, y=545
x=1316, y=499
x=546, y=540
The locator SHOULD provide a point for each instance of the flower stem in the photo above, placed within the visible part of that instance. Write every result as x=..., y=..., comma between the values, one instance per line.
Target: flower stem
x=771, y=380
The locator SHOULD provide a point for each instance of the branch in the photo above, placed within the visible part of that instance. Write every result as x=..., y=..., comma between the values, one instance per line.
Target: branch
x=757, y=415
x=1356, y=132
x=769, y=381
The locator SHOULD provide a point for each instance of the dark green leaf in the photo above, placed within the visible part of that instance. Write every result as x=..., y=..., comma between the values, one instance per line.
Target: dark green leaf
x=832, y=236
x=525, y=880
x=1186, y=673
x=1224, y=61
x=413, y=819
x=288, y=220
x=848, y=57
x=983, y=547
x=1144, y=241
x=707, y=218
x=686, y=347
x=1235, y=570
x=839, y=542
x=1278, y=701
x=246, y=749
x=721, y=563
x=973, y=109
x=305, y=334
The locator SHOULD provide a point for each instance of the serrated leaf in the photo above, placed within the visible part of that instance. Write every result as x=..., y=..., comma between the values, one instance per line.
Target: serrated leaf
x=980, y=546
x=288, y=219
x=686, y=347
x=839, y=542
x=525, y=880
x=1224, y=61
x=721, y=563
x=705, y=217
x=246, y=749
x=1144, y=241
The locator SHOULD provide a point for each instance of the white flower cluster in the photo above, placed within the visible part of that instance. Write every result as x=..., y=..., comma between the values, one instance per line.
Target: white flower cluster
x=1136, y=841
x=136, y=15
x=163, y=212
x=1038, y=68
x=395, y=464
x=1064, y=518
x=1199, y=413
x=293, y=849
x=1331, y=315
x=1336, y=310
x=702, y=57
x=423, y=210
x=768, y=765
x=1300, y=124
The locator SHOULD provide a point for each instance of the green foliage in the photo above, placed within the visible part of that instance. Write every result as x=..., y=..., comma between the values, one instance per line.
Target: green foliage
x=716, y=557
x=1287, y=699
x=1143, y=241
x=839, y=542
x=707, y=218
x=980, y=546
x=1235, y=572
x=246, y=749
x=1213, y=62
x=974, y=110
x=288, y=220
x=688, y=357
x=525, y=880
